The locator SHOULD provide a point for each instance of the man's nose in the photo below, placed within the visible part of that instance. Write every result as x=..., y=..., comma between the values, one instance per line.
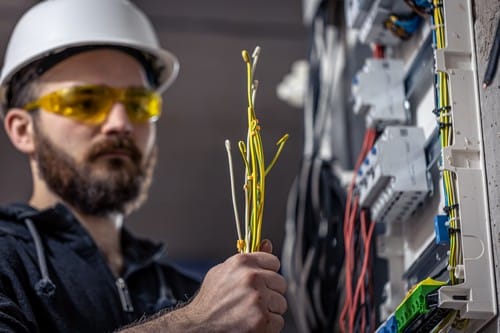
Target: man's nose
x=117, y=121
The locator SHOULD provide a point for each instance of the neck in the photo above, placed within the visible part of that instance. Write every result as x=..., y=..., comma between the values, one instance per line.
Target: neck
x=106, y=233
x=104, y=230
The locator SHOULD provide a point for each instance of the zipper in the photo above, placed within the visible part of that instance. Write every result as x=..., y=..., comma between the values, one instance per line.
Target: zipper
x=124, y=295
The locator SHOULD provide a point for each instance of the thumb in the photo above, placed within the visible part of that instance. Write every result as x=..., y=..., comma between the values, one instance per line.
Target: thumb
x=266, y=246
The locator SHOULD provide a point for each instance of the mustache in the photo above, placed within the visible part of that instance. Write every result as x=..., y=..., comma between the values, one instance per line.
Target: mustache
x=112, y=144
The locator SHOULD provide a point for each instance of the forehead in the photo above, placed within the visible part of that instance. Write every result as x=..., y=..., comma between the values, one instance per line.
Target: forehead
x=109, y=67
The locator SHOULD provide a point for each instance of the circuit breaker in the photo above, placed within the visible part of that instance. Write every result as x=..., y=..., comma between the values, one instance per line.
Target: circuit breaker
x=382, y=103
x=393, y=180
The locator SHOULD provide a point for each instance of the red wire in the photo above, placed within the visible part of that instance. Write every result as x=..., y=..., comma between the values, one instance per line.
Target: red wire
x=367, y=239
x=378, y=51
x=349, y=227
x=362, y=301
x=349, y=223
x=370, y=290
x=363, y=320
x=349, y=263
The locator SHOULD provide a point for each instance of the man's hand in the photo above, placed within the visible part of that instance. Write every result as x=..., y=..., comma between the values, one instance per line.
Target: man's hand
x=243, y=294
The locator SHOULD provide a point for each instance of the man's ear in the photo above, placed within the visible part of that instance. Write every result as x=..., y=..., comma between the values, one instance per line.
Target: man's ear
x=19, y=127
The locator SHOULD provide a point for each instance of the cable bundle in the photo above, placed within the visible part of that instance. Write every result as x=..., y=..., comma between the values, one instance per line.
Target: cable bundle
x=358, y=313
x=313, y=251
x=443, y=112
x=444, y=116
x=252, y=153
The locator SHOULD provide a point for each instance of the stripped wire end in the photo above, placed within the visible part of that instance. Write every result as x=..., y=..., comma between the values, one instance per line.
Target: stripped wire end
x=252, y=153
x=245, y=55
x=281, y=143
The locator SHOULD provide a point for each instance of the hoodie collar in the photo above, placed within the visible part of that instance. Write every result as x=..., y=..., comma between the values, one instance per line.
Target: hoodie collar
x=57, y=218
x=137, y=253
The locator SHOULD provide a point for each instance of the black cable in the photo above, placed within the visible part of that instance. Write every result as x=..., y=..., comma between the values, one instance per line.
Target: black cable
x=314, y=250
x=493, y=59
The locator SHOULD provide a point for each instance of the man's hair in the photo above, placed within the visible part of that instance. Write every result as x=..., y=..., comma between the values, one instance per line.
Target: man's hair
x=21, y=93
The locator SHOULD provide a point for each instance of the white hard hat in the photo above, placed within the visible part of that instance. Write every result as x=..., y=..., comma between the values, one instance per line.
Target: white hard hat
x=53, y=26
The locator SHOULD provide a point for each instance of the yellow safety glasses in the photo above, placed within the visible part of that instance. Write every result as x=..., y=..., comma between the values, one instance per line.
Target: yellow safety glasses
x=91, y=103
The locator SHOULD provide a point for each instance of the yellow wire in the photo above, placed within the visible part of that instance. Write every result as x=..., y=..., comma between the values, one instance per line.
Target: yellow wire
x=446, y=131
x=253, y=155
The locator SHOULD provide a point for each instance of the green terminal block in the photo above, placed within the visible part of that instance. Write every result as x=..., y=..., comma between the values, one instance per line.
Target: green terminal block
x=415, y=303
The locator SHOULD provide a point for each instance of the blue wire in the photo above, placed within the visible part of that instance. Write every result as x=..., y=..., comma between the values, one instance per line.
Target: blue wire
x=409, y=25
x=423, y=3
x=434, y=39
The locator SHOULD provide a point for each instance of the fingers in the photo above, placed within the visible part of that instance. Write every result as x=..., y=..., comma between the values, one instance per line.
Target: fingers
x=244, y=294
x=256, y=259
x=267, y=261
x=276, y=283
x=277, y=303
x=275, y=323
x=266, y=313
x=266, y=246
x=259, y=260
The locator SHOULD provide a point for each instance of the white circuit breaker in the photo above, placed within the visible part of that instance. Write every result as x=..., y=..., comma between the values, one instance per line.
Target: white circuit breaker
x=393, y=178
x=382, y=103
x=356, y=12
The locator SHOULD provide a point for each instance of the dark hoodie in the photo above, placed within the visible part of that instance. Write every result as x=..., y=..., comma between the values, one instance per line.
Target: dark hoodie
x=53, y=278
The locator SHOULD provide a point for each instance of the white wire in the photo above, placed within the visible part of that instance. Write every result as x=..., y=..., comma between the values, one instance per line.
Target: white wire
x=255, y=58
x=233, y=192
x=255, y=85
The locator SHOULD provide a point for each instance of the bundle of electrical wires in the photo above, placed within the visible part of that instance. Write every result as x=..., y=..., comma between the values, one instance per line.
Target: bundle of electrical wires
x=444, y=114
x=358, y=314
x=252, y=153
x=313, y=252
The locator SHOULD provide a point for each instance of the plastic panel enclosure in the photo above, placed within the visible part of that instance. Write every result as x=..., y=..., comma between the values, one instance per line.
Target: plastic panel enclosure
x=393, y=179
x=390, y=246
x=475, y=297
x=381, y=103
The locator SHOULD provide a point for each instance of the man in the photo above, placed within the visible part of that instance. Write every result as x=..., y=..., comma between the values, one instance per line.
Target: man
x=80, y=95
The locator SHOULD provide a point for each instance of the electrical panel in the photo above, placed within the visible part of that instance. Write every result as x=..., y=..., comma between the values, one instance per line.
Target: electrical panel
x=475, y=296
x=422, y=179
x=414, y=247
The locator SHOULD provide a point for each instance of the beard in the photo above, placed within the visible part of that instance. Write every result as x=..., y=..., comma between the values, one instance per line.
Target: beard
x=99, y=185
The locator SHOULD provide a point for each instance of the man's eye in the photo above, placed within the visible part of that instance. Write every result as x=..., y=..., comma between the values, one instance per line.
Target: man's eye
x=134, y=106
x=88, y=104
